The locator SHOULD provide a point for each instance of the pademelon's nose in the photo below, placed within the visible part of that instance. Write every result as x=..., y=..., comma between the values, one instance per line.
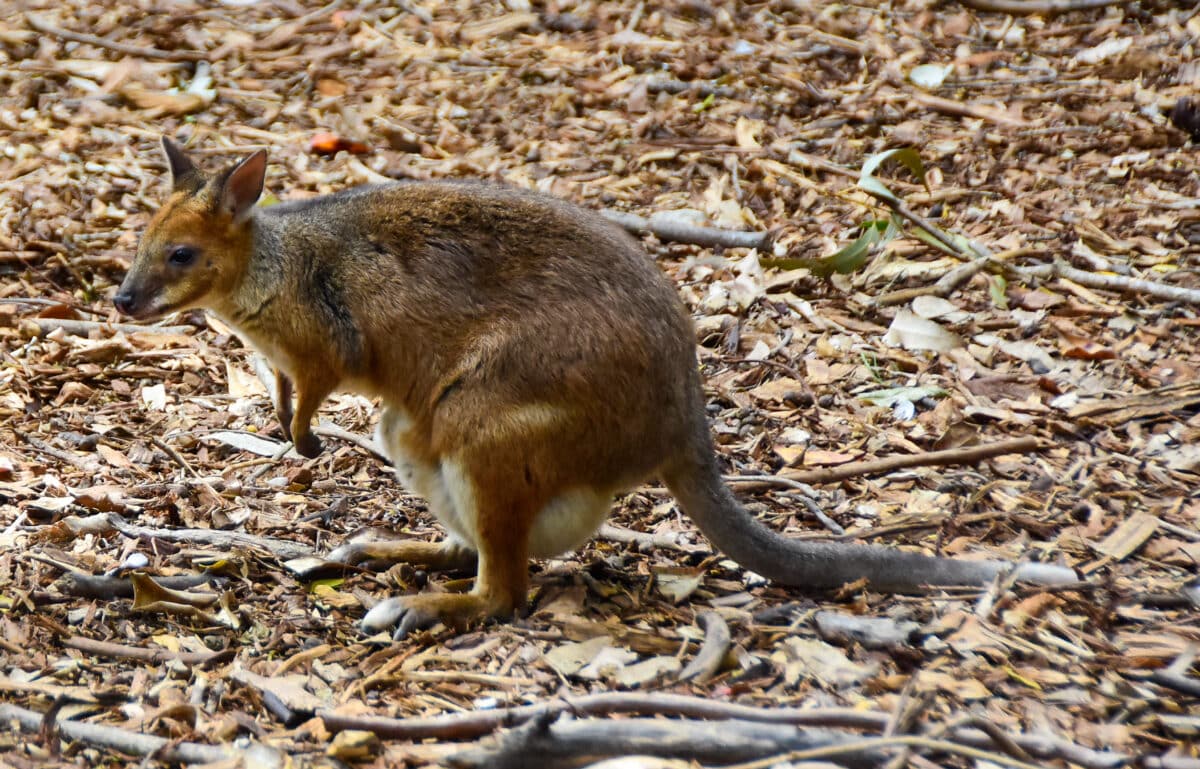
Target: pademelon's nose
x=124, y=302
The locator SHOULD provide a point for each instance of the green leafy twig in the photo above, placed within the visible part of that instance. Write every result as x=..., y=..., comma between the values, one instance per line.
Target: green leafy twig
x=876, y=234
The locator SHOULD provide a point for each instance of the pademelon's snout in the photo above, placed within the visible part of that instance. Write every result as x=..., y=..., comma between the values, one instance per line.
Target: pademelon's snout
x=137, y=300
x=124, y=302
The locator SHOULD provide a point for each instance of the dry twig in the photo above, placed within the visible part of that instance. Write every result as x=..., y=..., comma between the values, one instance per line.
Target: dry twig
x=175, y=456
x=119, y=651
x=283, y=549
x=646, y=541
x=363, y=442
x=124, y=741
x=965, y=455
x=680, y=232
x=965, y=109
x=954, y=278
x=113, y=45
x=1118, y=283
x=477, y=723
x=473, y=724
x=85, y=327
x=712, y=652
x=561, y=744
x=107, y=588
x=1037, y=6
x=864, y=749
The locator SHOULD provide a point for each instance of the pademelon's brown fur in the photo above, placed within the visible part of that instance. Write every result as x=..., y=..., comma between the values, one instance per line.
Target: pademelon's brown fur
x=531, y=360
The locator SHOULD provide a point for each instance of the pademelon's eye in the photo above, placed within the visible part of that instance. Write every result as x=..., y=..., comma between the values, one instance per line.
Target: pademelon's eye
x=181, y=256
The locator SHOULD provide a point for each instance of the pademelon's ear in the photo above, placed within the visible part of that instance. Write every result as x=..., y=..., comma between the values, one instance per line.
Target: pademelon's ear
x=182, y=168
x=238, y=189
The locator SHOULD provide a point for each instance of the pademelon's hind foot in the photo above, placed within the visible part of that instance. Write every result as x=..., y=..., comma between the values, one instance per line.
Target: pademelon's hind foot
x=372, y=545
x=410, y=613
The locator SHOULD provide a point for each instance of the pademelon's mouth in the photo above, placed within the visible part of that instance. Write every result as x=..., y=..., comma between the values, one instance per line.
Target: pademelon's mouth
x=155, y=310
x=157, y=306
x=160, y=311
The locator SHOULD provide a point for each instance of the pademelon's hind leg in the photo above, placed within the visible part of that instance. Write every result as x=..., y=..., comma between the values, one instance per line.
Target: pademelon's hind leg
x=452, y=553
x=367, y=545
x=501, y=512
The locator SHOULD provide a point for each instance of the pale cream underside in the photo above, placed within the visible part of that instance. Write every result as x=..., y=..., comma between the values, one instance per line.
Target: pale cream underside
x=564, y=524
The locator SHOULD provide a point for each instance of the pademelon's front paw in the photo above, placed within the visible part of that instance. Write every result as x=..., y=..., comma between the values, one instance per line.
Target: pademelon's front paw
x=415, y=612
x=308, y=445
x=285, y=424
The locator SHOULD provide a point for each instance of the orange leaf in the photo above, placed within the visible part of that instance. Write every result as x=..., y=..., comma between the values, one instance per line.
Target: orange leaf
x=1085, y=349
x=331, y=144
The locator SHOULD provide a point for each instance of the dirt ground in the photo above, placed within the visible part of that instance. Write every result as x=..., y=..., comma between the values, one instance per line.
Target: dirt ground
x=1051, y=161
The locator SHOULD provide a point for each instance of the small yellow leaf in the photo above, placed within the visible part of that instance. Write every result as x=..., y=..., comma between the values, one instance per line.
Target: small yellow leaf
x=1014, y=675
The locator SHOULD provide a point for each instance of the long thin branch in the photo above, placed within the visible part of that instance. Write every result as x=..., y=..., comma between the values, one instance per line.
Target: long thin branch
x=127, y=742
x=107, y=588
x=859, y=748
x=85, y=463
x=458, y=726
x=141, y=653
x=1037, y=6
x=362, y=441
x=935, y=232
x=961, y=456
x=1107, y=282
x=473, y=724
x=644, y=540
x=84, y=327
x=175, y=456
x=952, y=279
x=689, y=233
x=284, y=549
x=964, y=109
x=562, y=744
x=47, y=28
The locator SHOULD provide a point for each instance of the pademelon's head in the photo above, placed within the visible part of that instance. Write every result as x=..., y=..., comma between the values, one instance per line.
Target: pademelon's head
x=196, y=247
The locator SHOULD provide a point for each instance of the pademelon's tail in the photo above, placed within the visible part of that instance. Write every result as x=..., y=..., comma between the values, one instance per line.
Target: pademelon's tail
x=695, y=480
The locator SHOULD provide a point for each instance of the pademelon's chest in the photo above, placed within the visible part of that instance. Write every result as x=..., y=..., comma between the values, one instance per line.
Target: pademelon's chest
x=274, y=344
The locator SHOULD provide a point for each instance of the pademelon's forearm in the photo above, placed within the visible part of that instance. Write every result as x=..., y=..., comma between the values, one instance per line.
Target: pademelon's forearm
x=284, y=408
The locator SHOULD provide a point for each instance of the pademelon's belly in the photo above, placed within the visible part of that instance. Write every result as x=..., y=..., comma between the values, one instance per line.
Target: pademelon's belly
x=564, y=524
x=570, y=520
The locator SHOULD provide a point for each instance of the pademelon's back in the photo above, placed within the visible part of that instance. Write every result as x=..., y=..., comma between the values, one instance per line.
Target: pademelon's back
x=570, y=297
x=472, y=250
x=569, y=307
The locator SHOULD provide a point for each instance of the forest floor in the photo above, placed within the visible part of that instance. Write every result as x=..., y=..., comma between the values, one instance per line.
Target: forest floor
x=1051, y=159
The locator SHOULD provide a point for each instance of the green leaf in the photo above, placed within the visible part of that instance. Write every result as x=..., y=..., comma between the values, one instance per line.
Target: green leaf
x=997, y=287
x=905, y=156
x=878, y=189
x=930, y=240
x=845, y=260
x=708, y=102
x=872, y=364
